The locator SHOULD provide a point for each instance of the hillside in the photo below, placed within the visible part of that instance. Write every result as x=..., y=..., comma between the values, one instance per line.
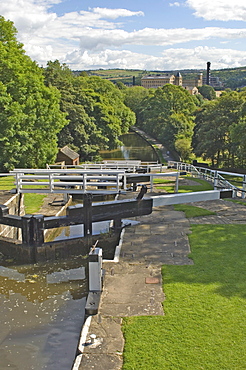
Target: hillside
x=232, y=77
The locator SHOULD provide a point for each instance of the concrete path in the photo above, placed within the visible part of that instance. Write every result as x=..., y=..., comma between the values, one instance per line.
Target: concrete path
x=134, y=285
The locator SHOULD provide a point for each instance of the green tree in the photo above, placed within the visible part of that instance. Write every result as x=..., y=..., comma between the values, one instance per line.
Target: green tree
x=183, y=147
x=214, y=124
x=167, y=114
x=207, y=92
x=81, y=131
x=30, y=113
x=113, y=118
x=94, y=107
x=133, y=99
x=238, y=135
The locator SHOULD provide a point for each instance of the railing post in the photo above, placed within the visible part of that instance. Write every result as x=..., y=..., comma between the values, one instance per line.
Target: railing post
x=124, y=181
x=17, y=183
x=51, y=180
x=244, y=186
x=84, y=182
x=215, y=180
x=177, y=183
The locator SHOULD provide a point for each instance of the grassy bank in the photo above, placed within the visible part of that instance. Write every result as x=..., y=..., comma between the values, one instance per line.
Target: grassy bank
x=192, y=211
x=33, y=202
x=205, y=312
x=169, y=185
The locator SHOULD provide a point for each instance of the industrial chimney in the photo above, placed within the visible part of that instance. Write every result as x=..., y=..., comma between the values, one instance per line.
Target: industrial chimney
x=208, y=73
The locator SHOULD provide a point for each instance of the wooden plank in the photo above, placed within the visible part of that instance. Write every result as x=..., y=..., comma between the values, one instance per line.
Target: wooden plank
x=109, y=210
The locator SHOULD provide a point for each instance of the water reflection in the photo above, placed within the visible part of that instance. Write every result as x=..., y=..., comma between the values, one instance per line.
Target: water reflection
x=42, y=311
x=135, y=147
x=77, y=231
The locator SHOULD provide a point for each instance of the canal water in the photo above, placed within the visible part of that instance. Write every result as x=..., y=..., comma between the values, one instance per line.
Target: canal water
x=42, y=305
x=42, y=312
x=134, y=147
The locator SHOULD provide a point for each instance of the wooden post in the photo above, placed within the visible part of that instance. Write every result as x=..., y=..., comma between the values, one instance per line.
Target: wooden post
x=117, y=223
x=27, y=236
x=38, y=230
x=143, y=191
x=87, y=205
x=4, y=211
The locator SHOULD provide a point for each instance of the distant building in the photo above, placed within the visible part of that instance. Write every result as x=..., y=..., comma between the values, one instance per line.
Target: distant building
x=67, y=155
x=215, y=82
x=193, y=90
x=155, y=81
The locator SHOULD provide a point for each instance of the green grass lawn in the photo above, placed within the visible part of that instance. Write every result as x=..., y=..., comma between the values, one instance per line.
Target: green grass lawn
x=7, y=183
x=192, y=211
x=202, y=185
x=205, y=309
x=33, y=202
x=243, y=202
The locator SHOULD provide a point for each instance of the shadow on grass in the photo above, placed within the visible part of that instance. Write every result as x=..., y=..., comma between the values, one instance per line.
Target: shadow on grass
x=219, y=255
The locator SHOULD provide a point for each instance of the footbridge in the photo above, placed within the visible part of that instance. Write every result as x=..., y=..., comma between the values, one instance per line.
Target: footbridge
x=82, y=181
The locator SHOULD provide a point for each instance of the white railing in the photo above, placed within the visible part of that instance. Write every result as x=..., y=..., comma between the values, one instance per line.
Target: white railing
x=68, y=181
x=127, y=165
x=214, y=176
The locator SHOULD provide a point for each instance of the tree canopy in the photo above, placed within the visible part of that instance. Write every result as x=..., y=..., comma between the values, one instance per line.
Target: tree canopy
x=219, y=133
x=95, y=110
x=207, y=92
x=167, y=113
x=30, y=115
x=41, y=108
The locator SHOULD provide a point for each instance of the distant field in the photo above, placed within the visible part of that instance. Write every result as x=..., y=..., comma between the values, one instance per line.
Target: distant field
x=232, y=78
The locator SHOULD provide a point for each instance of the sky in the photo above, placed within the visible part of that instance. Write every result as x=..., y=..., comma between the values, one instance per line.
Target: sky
x=131, y=34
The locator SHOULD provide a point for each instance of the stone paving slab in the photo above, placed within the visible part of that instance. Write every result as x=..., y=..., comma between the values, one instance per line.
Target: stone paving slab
x=156, y=240
x=102, y=361
x=227, y=212
x=127, y=294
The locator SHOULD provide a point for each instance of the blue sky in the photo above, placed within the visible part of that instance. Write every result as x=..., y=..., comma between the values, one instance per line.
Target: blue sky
x=152, y=35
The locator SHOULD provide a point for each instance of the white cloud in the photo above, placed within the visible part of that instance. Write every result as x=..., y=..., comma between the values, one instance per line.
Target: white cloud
x=93, y=39
x=197, y=58
x=222, y=10
x=83, y=39
x=176, y=59
x=175, y=4
x=115, y=13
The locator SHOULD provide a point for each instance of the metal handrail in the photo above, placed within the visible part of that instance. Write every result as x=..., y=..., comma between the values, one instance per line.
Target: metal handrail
x=214, y=176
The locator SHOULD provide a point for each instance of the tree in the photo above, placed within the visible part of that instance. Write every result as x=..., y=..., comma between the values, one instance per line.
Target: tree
x=215, y=122
x=167, y=114
x=238, y=135
x=183, y=147
x=30, y=113
x=207, y=92
x=133, y=99
x=95, y=110
x=113, y=118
